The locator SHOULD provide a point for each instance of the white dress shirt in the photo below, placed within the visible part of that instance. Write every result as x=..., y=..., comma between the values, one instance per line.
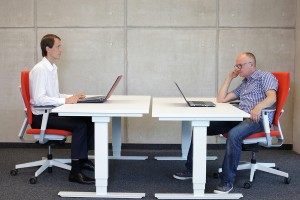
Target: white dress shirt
x=44, y=88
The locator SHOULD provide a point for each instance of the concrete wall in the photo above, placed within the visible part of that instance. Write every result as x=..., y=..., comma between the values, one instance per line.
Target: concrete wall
x=152, y=43
x=296, y=130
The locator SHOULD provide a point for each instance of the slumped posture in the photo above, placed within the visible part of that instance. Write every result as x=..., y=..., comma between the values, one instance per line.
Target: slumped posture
x=44, y=90
x=256, y=92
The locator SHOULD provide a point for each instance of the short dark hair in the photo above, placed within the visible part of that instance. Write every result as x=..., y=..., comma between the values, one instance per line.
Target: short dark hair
x=47, y=41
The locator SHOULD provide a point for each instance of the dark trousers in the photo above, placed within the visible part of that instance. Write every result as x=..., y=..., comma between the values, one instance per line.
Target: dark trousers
x=82, y=129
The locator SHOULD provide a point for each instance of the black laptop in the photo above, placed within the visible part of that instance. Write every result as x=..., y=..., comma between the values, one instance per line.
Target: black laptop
x=196, y=103
x=101, y=99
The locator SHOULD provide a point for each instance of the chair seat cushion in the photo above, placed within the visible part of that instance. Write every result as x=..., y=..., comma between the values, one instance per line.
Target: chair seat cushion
x=263, y=134
x=34, y=131
x=260, y=134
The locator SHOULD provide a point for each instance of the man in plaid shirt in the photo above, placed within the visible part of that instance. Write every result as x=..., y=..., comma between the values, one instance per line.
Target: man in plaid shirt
x=256, y=92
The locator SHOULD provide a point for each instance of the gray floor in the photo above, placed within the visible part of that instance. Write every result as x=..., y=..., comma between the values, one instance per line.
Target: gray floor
x=148, y=176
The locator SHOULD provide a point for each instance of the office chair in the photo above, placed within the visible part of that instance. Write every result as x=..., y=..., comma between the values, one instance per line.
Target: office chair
x=42, y=135
x=271, y=137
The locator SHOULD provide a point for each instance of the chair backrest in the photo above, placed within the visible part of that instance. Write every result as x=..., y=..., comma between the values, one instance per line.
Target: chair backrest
x=25, y=91
x=42, y=134
x=282, y=93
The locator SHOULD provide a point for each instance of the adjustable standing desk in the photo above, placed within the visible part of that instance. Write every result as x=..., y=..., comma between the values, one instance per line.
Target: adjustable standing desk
x=176, y=109
x=101, y=113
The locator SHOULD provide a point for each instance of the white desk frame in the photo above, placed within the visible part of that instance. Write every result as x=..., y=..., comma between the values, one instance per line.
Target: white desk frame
x=116, y=106
x=176, y=109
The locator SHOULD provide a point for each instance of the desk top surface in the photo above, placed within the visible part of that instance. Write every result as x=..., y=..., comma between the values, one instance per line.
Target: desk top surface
x=177, y=109
x=117, y=105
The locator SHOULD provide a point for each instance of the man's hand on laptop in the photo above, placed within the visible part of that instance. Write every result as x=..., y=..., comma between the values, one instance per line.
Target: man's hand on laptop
x=75, y=98
x=80, y=95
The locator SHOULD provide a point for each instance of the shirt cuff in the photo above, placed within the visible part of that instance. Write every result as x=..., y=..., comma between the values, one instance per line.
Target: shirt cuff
x=62, y=101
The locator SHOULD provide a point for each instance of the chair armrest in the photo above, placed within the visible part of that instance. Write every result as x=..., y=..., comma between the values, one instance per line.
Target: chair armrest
x=47, y=110
x=269, y=109
x=267, y=127
x=44, y=107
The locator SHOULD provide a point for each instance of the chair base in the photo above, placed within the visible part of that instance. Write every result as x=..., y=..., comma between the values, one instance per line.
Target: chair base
x=266, y=167
x=46, y=163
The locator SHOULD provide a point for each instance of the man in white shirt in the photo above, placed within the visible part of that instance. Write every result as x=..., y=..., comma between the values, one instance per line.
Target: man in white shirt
x=44, y=90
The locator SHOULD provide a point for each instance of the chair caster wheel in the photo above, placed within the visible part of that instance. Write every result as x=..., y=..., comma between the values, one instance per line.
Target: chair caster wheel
x=277, y=168
x=33, y=180
x=287, y=180
x=14, y=172
x=247, y=185
x=216, y=175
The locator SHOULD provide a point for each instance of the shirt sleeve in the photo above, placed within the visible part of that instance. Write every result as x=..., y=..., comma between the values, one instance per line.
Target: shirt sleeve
x=237, y=91
x=65, y=95
x=269, y=82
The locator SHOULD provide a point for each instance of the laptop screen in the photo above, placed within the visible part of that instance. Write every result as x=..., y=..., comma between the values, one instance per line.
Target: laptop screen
x=113, y=87
x=181, y=92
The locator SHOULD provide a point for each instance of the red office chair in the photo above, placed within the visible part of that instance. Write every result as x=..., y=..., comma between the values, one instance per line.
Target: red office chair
x=42, y=135
x=271, y=137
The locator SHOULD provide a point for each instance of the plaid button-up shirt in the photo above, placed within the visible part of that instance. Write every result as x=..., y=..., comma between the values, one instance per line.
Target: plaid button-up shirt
x=253, y=90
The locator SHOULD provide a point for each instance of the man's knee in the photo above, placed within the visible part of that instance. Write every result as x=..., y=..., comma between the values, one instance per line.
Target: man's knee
x=234, y=137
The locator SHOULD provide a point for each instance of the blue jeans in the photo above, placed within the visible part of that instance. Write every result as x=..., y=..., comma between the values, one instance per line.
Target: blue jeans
x=237, y=131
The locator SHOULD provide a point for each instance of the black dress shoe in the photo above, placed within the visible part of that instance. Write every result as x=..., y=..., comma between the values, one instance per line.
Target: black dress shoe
x=81, y=178
x=88, y=165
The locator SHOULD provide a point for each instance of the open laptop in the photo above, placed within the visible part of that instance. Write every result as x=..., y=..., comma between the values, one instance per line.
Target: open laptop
x=101, y=99
x=196, y=103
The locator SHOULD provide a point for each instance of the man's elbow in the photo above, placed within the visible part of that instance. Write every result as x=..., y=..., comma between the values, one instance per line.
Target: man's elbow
x=274, y=99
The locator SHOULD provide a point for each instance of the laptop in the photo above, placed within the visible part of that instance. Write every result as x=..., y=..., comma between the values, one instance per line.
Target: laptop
x=101, y=99
x=196, y=103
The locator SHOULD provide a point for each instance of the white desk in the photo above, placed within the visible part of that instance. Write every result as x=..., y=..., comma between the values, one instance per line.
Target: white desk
x=116, y=106
x=176, y=109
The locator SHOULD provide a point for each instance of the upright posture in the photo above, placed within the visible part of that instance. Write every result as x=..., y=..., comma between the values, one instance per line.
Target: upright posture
x=44, y=90
x=256, y=92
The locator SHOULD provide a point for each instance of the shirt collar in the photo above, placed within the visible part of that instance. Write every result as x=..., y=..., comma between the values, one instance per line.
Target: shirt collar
x=49, y=66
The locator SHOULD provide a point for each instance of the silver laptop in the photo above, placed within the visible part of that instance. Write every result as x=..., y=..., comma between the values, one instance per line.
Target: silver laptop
x=101, y=99
x=196, y=103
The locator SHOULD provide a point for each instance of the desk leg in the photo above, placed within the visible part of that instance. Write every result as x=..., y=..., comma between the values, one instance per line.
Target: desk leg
x=117, y=142
x=101, y=166
x=116, y=136
x=199, y=168
x=101, y=153
x=199, y=151
x=186, y=134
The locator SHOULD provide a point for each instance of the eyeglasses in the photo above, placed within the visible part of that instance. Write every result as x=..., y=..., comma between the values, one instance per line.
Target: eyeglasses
x=239, y=66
